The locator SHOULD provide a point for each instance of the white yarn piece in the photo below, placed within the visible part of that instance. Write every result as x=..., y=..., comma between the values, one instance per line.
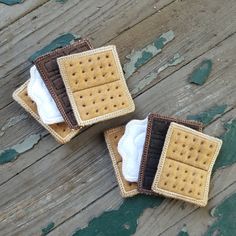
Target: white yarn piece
x=130, y=147
x=38, y=92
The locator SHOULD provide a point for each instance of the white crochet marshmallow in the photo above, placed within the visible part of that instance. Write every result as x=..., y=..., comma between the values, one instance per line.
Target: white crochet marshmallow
x=39, y=93
x=130, y=147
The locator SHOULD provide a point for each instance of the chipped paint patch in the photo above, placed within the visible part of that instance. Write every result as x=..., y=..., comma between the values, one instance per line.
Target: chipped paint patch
x=144, y=82
x=226, y=218
x=48, y=228
x=61, y=1
x=227, y=155
x=123, y=221
x=140, y=57
x=10, y=154
x=206, y=117
x=11, y=122
x=177, y=59
x=11, y=2
x=201, y=73
x=183, y=232
x=59, y=42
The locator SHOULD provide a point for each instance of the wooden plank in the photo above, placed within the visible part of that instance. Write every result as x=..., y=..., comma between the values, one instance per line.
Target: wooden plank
x=153, y=221
x=195, y=33
x=66, y=183
x=145, y=32
x=87, y=18
x=10, y=14
x=74, y=175
x=111, y=201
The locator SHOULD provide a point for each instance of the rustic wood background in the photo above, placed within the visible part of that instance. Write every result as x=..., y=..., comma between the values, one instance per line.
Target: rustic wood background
x=54, y=189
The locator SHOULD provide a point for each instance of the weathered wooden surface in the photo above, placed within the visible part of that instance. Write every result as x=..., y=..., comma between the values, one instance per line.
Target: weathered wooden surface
x=67, y=186
x=9, y=14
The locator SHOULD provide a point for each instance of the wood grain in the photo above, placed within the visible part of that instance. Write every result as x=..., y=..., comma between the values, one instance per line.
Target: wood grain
x=145, y=31
x=71, y=177
x=71, y=184
x=89, y=18
x=10, y=14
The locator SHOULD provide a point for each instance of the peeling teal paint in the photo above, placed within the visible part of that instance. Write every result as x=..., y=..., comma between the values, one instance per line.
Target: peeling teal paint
x=201, y=73
x=11, y=122
x=48, y=228
x=140, y=57
x=10, y=154
x=227, y=154
x=225, y=215
x=59, y=42
x=183, y=232
x=61, y=1
x=206, y=117
x=11, y=2
x=146, y=56
x=147, y=80
x=121, y=222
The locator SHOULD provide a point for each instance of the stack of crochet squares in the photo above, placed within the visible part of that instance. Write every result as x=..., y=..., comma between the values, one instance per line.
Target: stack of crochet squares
x=82, y=85
x=177, y=160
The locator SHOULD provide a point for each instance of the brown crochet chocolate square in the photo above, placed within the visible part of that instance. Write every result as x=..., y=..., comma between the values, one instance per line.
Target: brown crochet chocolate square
x=49, y=70
x=155, y=137
x=112, y=137
x=60, y=131
x=96, y=85
x=185, y=165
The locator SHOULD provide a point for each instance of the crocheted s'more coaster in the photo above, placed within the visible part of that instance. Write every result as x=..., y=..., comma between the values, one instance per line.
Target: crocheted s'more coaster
x=49, y=70
x=186, y=164
x=156, y=132
x=95, y=85
x=112, y=137
x=60, y=131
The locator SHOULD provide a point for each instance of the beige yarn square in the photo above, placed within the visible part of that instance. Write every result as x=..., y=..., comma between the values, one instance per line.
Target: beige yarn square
x=112, y=137
x=186, y=164
x=95, y=85
x=60, y=131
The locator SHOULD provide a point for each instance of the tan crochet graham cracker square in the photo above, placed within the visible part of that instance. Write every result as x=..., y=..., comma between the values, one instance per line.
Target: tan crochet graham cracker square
x=112, y=137
x=186, y=164
x=95, y=85
x=60, y=131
